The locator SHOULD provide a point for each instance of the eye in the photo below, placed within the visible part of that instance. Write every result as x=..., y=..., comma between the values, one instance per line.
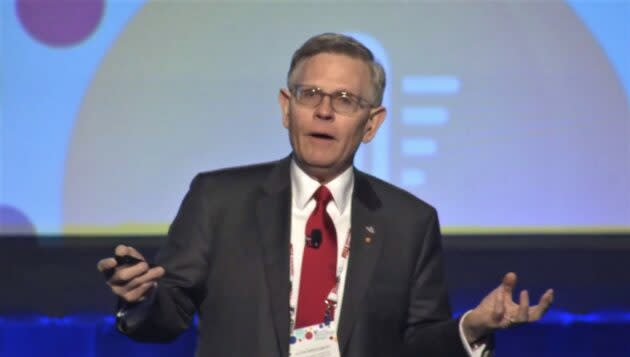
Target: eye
x=345, y=98
x=309, y=92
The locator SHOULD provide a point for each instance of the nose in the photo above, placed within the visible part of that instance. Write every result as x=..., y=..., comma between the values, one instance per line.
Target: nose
x=325, y=110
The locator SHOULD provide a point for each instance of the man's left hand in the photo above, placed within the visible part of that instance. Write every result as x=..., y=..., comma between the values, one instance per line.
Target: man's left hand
x=499, y=311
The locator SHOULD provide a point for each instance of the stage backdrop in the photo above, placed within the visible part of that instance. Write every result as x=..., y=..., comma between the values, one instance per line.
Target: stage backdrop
x=505, y=115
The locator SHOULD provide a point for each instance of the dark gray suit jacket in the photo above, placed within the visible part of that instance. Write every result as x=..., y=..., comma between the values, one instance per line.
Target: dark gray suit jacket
x=227, y=258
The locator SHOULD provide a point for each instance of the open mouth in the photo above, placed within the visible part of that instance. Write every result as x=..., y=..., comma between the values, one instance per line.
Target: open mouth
x=322, y=136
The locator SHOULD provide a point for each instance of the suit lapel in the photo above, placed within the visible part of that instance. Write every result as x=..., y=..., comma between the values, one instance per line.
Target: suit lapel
x=274, y=211
x=365, y=247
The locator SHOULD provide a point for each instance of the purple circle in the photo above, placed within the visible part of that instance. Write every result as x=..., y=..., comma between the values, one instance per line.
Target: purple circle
x=60, y=22
x=13, y=221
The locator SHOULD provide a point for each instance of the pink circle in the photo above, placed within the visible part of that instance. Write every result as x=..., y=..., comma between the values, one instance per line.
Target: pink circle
x=60, y=22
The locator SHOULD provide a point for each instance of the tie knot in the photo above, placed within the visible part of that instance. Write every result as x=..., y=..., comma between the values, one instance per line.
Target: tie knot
x=322, y=196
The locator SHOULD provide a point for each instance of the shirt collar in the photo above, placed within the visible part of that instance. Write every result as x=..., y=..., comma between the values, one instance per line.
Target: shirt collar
x=303, y=187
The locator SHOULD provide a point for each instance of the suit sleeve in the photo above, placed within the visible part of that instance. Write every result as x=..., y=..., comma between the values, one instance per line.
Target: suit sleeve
x=430, y=329
x=184, y=256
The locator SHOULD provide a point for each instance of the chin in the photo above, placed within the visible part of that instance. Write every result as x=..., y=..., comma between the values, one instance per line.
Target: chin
x=317, y=163
x=320, y=164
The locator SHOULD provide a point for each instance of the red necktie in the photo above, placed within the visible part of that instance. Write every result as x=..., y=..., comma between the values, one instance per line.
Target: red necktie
x=319, y=265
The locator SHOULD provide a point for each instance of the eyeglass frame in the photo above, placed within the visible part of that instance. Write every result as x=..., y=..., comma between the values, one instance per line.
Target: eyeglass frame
x=361, y=102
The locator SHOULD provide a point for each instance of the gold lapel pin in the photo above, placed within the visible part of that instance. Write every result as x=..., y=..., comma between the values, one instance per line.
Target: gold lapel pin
x=368, y=240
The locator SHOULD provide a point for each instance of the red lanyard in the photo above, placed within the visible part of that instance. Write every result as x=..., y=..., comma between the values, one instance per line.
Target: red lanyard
x=332, y=297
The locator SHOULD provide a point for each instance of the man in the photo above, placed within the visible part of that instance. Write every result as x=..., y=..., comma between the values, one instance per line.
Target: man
x=308, y=256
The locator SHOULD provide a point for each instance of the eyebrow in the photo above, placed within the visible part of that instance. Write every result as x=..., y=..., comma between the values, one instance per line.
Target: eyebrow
x=343, y=90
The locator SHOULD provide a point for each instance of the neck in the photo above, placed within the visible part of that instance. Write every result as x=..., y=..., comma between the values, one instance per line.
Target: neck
x=323, y=175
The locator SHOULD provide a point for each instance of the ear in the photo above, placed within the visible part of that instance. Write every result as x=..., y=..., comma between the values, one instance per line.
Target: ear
x=375, y=119
x=284, y=97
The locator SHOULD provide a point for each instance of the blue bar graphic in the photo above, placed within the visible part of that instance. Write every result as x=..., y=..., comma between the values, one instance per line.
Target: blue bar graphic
x=430, y=85
x=420, y=116
x=418, y=147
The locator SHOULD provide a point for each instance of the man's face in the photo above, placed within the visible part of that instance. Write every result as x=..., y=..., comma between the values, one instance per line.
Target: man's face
x=324, y=142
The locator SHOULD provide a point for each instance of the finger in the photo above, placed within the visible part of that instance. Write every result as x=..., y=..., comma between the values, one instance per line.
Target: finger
x=134, y=253
x=499, y=306
x=547, y=298
x=125, y=273
x=508, y=283
x=152, y=275
x=121, y=250
x=522, y=314
x=105, y=264
x=138, y=293
x=123, y=288
x=158, y=271
x=537, y=312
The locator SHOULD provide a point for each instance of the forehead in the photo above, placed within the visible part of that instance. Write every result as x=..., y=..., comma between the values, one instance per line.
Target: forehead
x=332, y=72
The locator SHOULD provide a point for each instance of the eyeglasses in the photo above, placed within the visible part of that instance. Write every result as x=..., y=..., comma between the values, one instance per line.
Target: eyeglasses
x=342, y=102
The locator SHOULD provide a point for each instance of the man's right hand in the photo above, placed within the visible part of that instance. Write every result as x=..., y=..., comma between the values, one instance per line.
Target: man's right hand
x=130, y=283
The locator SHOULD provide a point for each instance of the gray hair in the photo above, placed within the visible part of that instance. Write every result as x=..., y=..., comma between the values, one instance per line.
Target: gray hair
x=341, y=44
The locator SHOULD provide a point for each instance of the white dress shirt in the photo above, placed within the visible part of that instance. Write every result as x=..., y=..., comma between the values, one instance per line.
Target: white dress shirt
x=302, y=205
